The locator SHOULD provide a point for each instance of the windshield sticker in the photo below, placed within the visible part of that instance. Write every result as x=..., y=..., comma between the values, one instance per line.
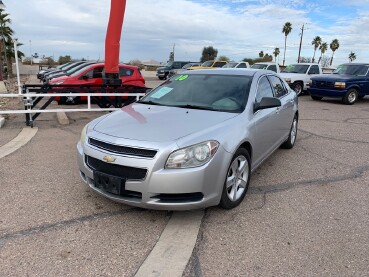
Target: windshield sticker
x=161, y=92
x=181, y=78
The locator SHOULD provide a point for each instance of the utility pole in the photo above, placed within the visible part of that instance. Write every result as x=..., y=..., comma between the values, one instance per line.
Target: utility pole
x=302, y=33
x=30, y=50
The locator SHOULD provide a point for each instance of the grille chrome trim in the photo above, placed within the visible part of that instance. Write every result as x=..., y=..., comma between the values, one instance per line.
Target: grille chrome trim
x=122, y=150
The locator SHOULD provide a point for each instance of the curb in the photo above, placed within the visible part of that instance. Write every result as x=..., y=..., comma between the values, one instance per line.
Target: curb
x=2, y=121
x=22, y=139
x=62, y=118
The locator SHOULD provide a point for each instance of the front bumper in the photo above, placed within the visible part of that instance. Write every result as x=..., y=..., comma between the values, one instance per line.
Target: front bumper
x=162, y=189
x=334, y=93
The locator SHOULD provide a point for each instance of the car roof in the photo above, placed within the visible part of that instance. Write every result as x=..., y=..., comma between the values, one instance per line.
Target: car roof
x=228, y=71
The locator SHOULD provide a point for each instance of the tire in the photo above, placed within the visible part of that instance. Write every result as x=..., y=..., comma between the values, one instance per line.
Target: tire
x=161, y=78
x=298, y=88
x=350, y=97
x=290, y=142
x=237, y=180
x=316, y=98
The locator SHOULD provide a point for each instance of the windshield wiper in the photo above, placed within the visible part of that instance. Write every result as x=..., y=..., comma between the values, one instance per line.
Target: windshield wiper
x=150, y=103
x=196, y=107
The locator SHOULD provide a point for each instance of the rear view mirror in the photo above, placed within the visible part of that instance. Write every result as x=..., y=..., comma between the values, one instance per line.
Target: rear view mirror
x=266, y=103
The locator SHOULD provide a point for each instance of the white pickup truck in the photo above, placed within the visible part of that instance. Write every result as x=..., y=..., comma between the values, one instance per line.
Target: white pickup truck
x=298, y=75
x=266, y=65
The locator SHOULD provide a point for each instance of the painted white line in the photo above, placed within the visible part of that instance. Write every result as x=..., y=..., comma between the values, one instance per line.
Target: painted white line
x=174, y=248
x=22, y=139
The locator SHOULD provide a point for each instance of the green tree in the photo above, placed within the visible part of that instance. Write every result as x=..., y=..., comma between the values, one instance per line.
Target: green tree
x=208, y=53
x=261, y=54
x=352, y=56
x=335, y=44
x=317, y=41
x=64, y=59
x=276, y=53
x=223, y=58
x=6, y=33
x=286, y=30
x=323, y=47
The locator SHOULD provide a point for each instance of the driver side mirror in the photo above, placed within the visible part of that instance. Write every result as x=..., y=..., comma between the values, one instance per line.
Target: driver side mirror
x=266, y=103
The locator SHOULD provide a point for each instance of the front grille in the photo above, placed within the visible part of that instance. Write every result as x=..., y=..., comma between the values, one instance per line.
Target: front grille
x=179, y=197
x=322, y=84
x=124, y=150
x=125, y=172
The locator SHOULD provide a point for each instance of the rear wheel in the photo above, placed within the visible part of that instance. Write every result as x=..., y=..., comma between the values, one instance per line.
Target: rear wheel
x=350, y=97
x=237, y=180
x=317, y=98
x=297, y=87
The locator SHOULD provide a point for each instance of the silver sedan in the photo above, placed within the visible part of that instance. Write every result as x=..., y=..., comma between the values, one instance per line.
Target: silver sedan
x=192, y=142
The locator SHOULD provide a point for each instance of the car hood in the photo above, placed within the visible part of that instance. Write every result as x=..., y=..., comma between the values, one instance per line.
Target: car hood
x=337, y=77
x=290, y=75
x=158, y=123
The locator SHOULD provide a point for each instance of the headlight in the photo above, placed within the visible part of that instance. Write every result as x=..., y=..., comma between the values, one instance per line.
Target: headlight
x=83, y=134
x=58, y=82
x=288, y=80
x=340, y=85
x=193, y=156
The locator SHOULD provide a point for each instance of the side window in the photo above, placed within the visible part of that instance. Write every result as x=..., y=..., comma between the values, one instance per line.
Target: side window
x=176, y=65
x=125, y=71
x=273, y=68
x=264, y=89
x=89, y=74
x=241, y=65
x=219, y=64
x=278, y=87
x=97, y=72
x=314, y=69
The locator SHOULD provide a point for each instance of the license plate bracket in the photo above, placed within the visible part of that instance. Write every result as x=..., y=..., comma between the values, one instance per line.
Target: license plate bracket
x=109, y=183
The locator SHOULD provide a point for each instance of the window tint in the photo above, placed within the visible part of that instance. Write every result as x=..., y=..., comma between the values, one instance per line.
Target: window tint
x=177, y=65
x=94, y=73
x=273, y=68
x=125, y=71
x=241, y=65
x=219, y=64
x=264, y=89
x=314, y=70
x=278, y=87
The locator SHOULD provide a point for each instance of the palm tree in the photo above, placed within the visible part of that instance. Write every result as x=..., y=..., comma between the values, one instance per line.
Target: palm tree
x=287, y=28
x=276, y=53
x=335, y=44
x=6, y=45
x=323, y=47
x=317, y=41
x=352, y=56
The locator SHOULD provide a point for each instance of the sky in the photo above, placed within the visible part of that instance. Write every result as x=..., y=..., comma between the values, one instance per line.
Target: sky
x=152, y=29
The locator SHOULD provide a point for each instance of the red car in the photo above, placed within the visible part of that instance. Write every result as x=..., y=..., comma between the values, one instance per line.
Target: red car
x=92, y=75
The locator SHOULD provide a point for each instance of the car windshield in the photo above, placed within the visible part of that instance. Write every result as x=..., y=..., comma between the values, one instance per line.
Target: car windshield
x=357, y=70
x=70, y=66
x=74, y=69
x=259, y=66
x=78, y=72
x=230, y=65
x=208, y=63
x=296, y=68
x=227, y=93
x=169, y=64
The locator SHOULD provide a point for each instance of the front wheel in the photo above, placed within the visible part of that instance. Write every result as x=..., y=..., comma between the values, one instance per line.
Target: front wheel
x=290, y=142
x=350, y=97
x=237, y=180
x=297, y=87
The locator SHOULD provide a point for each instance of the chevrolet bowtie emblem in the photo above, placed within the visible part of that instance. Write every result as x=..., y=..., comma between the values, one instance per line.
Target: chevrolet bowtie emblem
x=109, y=159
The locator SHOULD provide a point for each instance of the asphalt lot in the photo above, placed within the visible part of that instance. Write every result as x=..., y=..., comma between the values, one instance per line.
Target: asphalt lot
x=306, y=213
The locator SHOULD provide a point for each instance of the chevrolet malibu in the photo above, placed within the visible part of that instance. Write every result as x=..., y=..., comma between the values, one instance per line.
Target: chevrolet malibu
x=192, y=142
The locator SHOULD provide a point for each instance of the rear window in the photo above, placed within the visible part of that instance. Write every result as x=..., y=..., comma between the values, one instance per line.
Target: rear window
x=125, y=71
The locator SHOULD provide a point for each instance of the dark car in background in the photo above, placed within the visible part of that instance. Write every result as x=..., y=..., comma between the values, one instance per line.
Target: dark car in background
x=68, y=72
x=184, y=68
x=64, y=69
x=41, y=73
x=349, y=82
x=163, y=72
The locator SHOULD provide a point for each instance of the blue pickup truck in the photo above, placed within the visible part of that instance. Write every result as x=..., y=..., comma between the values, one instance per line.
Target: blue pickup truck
x=349, y=82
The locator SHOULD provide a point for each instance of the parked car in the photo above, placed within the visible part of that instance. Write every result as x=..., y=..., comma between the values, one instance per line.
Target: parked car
x=184, y=68
x=299, y=75
x=209, y=65
x=267, y=66
x=66, y=72
x=64, y=69
x=92, y=75
x=237, y=65
x=349, y=82
x=41, y=73
x=163, y=72
x=192, y=142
